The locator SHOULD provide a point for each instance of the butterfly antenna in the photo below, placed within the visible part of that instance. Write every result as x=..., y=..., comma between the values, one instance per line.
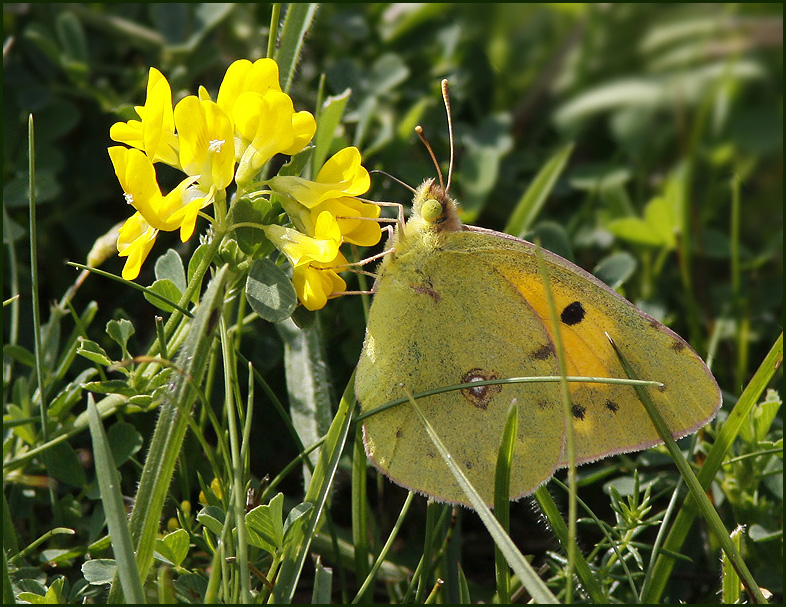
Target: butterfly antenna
x=446, y=99
x=396, y=179
x=419, y=131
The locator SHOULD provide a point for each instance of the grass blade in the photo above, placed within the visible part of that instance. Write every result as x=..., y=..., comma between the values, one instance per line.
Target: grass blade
x=359, y=514
x=531, y=202
x=534, y=585
x=502, y=498
x=109, y=484
x=587, y=577
x=697, y=492
x=171, y=428
x=296, y=24
x=656, y=583
x=299, y=536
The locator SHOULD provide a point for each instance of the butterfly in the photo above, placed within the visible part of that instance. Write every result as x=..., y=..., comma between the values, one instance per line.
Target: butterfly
x=458, y=304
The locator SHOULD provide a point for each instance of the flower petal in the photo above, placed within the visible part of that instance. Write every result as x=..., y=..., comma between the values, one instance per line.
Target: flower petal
x=241, y=76
x=135, y=240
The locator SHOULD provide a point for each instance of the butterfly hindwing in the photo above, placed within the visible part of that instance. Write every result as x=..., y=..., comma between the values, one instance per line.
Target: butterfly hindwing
x=413, y=338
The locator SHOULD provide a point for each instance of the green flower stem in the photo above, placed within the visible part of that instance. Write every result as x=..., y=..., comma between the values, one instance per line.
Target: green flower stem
x=45, y=537
x=271, y=39
x=237, y=499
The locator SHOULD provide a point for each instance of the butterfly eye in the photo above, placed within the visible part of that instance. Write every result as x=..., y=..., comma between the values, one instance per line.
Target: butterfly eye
x=431, y=210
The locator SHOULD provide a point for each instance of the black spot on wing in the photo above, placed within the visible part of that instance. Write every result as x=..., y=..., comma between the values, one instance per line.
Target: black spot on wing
x=578, y=411
x=612, y=406
x=543, y=352
x=573, y=314
x=678, y=346
x=399, y=433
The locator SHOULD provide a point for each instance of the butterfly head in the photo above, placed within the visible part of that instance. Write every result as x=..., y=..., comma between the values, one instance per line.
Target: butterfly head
x=433, y=210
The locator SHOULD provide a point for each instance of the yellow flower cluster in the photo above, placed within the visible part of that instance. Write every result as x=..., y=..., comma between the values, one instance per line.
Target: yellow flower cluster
x=216, y=143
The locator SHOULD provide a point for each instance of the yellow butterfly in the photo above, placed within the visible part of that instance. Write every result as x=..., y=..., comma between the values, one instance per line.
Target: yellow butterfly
x=457, y=304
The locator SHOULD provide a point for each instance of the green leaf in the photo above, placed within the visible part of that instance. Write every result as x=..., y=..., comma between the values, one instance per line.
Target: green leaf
x=111, y=386
x=615, y=269
x=190, y=588
x=251, y=239
x=93, y=352
x=168, y=292
x=269, y=291
x=265, y=525
x=99, y=571
x=308, y=383
x=764, y=414
x=63, y=464
x=71, y=394
x=193, y=263
x=323, y=583
x=173, y=547
x=124, y=441
x=485, y=146
x=120, y=331
x=295, y=514
x=386, y=73
x=71, y=36
x=19, y=354
x=329, y=119
x=593, y=177
x=212, y=517
x=170, y=267
x=24, y=431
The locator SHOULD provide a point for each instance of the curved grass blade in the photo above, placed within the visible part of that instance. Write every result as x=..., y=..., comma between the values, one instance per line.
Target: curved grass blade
x=697, y=492
x=534, y=585
x=109, y=484
x=502, y=498
x=656, y=580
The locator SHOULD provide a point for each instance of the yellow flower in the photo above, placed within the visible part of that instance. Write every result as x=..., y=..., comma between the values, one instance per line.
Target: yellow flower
x=241, y=76
x=315, y=282
x=264, y=117
x=137, y=177
x=356, y=219
x=206, y=142
x=155, y=133
x=300, y=248
x=135, y=240
x=312, y=259
x=176, y=210
x=342, y=175
x=267, y=125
